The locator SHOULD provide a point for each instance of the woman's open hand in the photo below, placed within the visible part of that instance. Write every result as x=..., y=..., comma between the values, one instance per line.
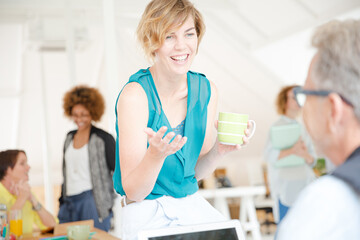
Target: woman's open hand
x=160, y=145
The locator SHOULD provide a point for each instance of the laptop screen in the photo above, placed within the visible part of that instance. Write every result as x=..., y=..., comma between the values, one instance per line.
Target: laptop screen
x=220, y=234
x=229, y=230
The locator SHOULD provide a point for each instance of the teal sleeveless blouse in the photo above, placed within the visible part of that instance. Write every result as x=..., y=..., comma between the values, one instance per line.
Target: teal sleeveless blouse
x=177, y=175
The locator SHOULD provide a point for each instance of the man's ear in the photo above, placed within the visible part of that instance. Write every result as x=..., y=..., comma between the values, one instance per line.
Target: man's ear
x=336, y=106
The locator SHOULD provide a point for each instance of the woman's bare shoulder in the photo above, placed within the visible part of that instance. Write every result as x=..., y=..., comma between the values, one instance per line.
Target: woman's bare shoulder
x=133, y=89
x=132, y=93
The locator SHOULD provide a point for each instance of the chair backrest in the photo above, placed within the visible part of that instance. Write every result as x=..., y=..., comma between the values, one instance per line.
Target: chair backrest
x=61, y=229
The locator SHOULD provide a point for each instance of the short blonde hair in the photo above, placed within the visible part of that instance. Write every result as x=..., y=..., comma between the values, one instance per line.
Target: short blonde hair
x=282, y=98
x=158, y=19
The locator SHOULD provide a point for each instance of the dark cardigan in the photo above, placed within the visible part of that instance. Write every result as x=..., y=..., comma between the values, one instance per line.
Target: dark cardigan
x=101, y=148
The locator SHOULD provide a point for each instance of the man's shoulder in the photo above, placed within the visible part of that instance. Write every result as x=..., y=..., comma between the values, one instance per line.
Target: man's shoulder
x=328, y=190
x=331, y=185
x=321, y=210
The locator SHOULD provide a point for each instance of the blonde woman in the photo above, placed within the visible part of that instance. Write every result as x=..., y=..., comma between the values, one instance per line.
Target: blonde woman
x=165, y=125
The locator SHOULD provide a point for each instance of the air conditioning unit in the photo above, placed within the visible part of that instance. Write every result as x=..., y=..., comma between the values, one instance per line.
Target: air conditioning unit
x=52, y=34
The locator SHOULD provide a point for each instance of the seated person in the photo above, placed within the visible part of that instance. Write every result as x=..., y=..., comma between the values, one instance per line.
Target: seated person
x=15, y=191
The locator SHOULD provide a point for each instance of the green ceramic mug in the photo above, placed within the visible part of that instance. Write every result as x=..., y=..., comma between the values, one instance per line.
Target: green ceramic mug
x=78, y=232
x=231, y=127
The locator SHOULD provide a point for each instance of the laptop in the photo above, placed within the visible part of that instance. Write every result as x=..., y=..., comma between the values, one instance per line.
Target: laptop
x=229, y=230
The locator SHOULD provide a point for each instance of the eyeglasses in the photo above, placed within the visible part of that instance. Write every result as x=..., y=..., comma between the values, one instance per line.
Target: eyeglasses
x=300, y=95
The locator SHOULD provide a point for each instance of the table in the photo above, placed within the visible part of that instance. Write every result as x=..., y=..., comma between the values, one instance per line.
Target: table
x=99, y=235
x=246, y=194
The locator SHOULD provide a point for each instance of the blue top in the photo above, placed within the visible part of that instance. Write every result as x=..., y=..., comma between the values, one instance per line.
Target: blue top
x=177, y=175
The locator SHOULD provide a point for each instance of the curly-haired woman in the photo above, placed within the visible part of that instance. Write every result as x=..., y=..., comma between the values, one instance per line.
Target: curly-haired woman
x=88, y=161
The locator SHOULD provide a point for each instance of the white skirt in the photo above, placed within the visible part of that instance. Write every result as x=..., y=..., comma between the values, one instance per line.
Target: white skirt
x=167, y=211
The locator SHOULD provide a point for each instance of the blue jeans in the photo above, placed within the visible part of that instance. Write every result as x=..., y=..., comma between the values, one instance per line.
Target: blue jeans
x=82, y=207
x=283, y=209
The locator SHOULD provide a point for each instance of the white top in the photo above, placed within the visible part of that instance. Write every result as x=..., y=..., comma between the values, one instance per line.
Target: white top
x=78, y=178
x=286, y=183
x=167, y=211
x=327, y=209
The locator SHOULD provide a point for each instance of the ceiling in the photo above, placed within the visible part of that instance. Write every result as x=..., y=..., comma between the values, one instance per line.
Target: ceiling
x=250, y=23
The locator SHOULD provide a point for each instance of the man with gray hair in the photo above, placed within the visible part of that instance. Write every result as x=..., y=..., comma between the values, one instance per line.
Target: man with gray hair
x=329, y=208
